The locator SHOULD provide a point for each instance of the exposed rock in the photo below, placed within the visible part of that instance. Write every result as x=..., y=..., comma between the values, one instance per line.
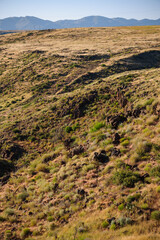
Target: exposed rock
x=81, y=192
x=156, y=109
x=101, y=157
x=144, y=176
x=67, y=142
x=136, y=112
x=116, y=139
x=116, y=120
x=77, y=150
x=115, y=152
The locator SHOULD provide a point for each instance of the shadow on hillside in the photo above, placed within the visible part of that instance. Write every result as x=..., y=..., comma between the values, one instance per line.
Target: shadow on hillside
x=145, y=60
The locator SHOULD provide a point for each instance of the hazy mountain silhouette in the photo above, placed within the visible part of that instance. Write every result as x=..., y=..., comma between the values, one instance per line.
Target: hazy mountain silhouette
x=33, y=23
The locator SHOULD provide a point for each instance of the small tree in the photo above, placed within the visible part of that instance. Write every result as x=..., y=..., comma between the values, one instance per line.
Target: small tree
x=155, y=215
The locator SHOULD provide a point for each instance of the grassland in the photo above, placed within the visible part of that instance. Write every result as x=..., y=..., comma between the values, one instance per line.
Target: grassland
x=80, y=134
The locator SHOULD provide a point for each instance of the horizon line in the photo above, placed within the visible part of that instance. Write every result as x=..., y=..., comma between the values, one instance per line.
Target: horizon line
x=82, y=18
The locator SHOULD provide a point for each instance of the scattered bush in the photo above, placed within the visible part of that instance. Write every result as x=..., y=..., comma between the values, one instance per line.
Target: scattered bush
x=155, y=171
x=143, y=147
x=105, y=224
x=8, y=234
x=2, y=219
x=41, y=167
x=155, y=215
x=68, y=129
x=121, y=207
x=126, y=178
x=22, y=196
x=25, y=233
x=9, y=212
x=97, y=126
x=158, y=189
x=144, y=206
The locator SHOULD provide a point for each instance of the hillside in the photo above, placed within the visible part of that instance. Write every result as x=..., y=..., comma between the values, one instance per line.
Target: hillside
x=34, y=23
x=80, y=134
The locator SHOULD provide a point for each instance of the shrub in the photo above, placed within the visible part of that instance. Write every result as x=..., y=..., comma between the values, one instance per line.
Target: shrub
x=155, y=215
x=121, y=207
x=8, y=234
x=41, y=167
x=122, y=221
x=126, y=178
x=9, y=212
x=158, y=189
x=155, y=171
x=143, y=147
x=50, y=219
x=25, y=233
x=22, y=196
x=2, y=219
x=113, y=226
x=52, y=226
x=149, y=102
x=68, y=129
x=133, y=198
x=105, y=224
x=144, y=206
x=125, y=143
x=97, y=126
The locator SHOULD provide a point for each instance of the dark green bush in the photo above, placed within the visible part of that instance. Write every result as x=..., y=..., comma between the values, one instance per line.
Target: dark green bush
x=133, y=198
x=155, y=171
x=155, y=215
x=126, y=178
x=25, y=233
x=22, y=196
x=68, y=129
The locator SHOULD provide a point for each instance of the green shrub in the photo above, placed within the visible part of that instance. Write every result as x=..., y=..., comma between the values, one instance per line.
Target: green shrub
x=123, y=221
x=8, y=234
x=97, y=126
x=68, y=129
x=133, y=198
x=143, y=147
x=155, y=171
x=149, y=102
x=25, y=233
x=41, y=167
x=113, y=226
x=126, y=178
x=9, y=212
x=105, y=224
x=121, y=207
x=155, y=215
x=50, y=219
x=125, y=143
x=144, y=206
x=158, y=189
x=22, y=196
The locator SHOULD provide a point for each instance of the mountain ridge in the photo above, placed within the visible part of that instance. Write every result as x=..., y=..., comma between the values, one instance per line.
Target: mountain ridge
x=34, y=23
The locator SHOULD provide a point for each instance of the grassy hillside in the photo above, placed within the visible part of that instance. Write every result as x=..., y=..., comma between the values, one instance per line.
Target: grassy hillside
x=80, y=134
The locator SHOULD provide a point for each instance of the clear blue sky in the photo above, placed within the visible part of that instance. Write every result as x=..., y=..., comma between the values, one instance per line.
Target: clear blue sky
x=75, y=9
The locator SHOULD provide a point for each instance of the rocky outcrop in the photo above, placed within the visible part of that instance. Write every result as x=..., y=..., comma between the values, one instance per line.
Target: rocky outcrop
x=116, y=120
x=116, y=139
x=77, y=150
x=101, y=156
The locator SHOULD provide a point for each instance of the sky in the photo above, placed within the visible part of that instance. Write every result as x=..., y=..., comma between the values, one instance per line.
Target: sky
x=74, y=9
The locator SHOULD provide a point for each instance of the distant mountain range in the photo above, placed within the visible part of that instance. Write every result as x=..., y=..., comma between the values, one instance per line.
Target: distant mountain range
x=33, y=23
